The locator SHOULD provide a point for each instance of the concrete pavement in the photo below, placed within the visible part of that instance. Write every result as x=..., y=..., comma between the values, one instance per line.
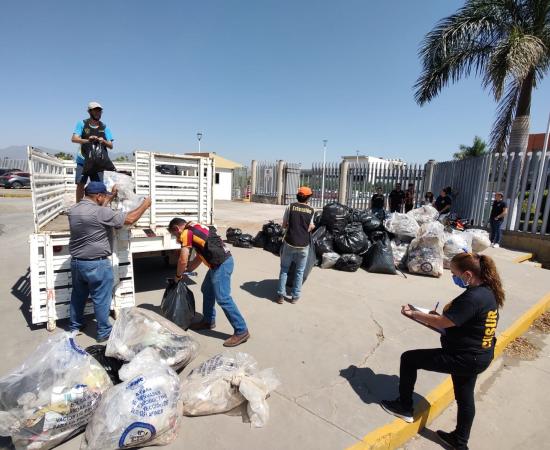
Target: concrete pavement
x=336, y=351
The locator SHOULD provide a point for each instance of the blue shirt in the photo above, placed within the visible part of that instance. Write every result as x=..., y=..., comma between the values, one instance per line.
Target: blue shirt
x=78, y=131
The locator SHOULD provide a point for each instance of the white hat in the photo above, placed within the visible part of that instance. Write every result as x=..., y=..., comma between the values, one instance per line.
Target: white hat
x=93, y=105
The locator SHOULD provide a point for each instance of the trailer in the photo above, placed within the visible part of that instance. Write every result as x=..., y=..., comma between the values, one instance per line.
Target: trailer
x=179, y=186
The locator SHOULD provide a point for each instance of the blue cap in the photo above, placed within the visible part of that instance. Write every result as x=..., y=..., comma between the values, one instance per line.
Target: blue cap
x=96, y=187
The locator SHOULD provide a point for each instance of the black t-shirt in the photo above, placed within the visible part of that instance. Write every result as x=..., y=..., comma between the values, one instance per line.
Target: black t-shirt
x=475, y=315
x=397, y=197
x=441, y=202
x=497, y=208
x=299, y=217
x=377, y=201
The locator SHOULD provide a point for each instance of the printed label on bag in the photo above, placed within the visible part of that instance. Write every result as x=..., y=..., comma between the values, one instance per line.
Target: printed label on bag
x=137, y=433
x=147, y=402
x=77, y=416
x=426, y=267
x=213, y=364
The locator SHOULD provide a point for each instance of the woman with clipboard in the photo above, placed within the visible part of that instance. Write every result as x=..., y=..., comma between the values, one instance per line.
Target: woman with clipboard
x=467, y=345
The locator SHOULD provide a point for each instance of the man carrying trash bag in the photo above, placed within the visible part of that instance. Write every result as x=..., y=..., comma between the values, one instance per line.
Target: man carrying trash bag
x=216, y=286
x=298, y=223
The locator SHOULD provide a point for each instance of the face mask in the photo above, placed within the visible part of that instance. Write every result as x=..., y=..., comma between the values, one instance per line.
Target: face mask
x=460, y=282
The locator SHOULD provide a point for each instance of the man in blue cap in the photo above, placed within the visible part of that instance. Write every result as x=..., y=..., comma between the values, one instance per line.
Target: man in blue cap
x=91, y=222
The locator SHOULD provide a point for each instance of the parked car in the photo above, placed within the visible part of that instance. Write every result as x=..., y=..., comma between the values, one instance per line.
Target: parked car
x=4, y=171
x=16, y=180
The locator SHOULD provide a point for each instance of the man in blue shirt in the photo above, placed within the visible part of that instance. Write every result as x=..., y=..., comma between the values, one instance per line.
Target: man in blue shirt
x=86, y=133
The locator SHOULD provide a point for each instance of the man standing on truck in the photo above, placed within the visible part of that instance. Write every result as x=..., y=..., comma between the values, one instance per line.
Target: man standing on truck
x=91, y=222
x=86, y=132
x=216, y=286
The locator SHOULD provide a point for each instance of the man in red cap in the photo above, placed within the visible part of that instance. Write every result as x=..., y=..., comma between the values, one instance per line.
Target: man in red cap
x=298, y=223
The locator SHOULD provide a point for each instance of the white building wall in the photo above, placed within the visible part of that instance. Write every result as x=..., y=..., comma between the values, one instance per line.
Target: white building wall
x=222, y=190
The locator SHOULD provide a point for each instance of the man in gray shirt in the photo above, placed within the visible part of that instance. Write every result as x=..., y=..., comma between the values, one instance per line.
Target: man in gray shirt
x=91, y=222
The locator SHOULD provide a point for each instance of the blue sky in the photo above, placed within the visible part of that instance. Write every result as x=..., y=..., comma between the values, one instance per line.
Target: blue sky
x=261, y=79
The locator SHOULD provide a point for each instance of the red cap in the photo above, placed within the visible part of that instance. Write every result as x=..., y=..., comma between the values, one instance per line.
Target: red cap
x=304, y=190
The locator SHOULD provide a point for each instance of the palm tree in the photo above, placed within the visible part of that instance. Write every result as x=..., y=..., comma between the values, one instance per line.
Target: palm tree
x=478, y=148
x=507, y=42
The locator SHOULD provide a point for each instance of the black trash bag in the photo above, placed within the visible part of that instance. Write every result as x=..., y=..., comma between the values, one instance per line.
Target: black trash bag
x=111, y=365
x=372, y=223
x=379, y=258
x=244, y=241
x=348, y=263
x=97, y=160
x=310, y=262
x=335, y=216
x=259, y=240
x=378, y=236
x=358, y=215
x=351, y=240
x=178, y=304
x=273, y=244
x=232, y=234
x=322, y=241
x=273, y=229
x=380, y=215
x=317, y=218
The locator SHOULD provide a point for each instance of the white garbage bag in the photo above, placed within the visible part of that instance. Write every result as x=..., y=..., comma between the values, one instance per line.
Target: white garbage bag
x=480, y=239
x=426, y=251
x=127, y=200
x=224, y=382
x=454, y=243
x=145, y=409
x=138, y=328
x=52, y=395
x=399, y=250
x=424, y=214
x=329, y=260
x=402, y=225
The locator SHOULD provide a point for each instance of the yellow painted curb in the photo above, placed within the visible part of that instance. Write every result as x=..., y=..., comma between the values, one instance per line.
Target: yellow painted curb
x=396, y=433
x=522, y=258
x=15, y=195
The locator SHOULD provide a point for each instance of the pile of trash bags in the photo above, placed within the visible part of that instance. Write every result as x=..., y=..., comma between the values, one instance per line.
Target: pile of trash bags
x=52, y=395
x=137, y=329
x=226, y=381
x=126, y=200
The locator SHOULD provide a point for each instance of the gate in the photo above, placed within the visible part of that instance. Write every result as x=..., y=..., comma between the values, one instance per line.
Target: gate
x=292, y=182
x=240, y=183
x=323, y=192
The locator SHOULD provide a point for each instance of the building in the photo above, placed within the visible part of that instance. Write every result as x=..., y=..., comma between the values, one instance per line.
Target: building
x=536, y=142
x=383, y=162
x=223, y=177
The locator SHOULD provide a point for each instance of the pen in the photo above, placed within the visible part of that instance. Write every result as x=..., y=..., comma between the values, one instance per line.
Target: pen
x=436, y=305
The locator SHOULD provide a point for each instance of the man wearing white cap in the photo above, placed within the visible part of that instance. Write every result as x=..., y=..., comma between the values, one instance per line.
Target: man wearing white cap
x=85, y=133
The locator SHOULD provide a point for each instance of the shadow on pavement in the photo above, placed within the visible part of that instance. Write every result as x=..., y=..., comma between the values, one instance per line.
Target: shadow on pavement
x=262, y=289
x=21, y=290
x=150, y=274
x=431, y=435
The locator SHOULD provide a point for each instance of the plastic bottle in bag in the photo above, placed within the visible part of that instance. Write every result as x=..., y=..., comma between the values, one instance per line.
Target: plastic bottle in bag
x=143, y=410
x=402, y=225
x=52, y=395
x=126, y=200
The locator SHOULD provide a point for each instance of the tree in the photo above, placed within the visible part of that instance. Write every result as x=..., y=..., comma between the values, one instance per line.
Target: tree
x=63, y=155
x=478, y=148
x=122, y=158
x=507, y=43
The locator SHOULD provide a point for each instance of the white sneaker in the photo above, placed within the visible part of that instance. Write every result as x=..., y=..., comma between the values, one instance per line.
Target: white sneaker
x=496, y=246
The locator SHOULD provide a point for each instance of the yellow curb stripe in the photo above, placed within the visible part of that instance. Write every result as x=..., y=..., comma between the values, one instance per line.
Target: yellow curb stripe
x=524, y=257
x=16, y=195
x=396, y=433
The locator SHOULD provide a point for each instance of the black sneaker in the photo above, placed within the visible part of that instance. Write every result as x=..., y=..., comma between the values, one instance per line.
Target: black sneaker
x=450, y=440
x=396, y=408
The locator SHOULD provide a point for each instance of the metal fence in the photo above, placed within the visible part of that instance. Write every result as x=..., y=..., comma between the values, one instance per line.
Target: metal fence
x=313, y=178
x=291, y=181
x=19, y=164
x=240, y=183
x=266, y=179
x=364, y=178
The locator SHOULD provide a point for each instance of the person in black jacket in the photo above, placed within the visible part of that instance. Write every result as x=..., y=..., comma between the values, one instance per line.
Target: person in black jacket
x=298, y=223
x=397, y=197
x=468, y=329
x=498, y=213
x=378, y=203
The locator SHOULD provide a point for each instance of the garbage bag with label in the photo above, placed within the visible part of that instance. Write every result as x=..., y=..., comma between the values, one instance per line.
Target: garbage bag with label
x=178, y=304
x=144, y=410
x=310, y=263
x=424, y=214
x=480, y=239
x=335, y=216
x=322, y=241
x=244, y=241
x=348, y=263
x=329, y=260
x=352, y=240
x=379, y=258
x=455, y=242
x=399, y=250
x=403, y=226
x=425, y=256
x=138, y=328
x=111, y=365
x=232, y=234
x=226, y=381
x=52, y=395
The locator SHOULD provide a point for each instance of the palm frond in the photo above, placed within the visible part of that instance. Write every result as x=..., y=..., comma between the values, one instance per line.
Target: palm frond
x=505, y=116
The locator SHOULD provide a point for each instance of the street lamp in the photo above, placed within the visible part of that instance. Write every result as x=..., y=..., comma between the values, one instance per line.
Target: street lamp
x=199, y=137
x=323, y=176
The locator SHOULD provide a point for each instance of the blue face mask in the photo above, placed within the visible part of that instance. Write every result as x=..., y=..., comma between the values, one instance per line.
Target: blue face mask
x=460, y=282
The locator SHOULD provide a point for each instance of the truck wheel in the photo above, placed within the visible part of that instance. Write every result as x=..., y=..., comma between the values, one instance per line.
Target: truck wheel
x=51, y=325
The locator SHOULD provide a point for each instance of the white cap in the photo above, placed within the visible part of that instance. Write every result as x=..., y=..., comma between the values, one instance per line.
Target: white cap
x=93, y=105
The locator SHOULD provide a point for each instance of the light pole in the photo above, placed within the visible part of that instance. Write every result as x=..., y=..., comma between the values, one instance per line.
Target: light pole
x=199, y=137
x=323, y=176
x=357, y=157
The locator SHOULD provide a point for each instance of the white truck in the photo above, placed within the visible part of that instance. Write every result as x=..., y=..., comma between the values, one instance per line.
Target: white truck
x=179, y=186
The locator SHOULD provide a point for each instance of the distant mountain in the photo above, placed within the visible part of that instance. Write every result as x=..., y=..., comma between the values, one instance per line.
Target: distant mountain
x=20, y=152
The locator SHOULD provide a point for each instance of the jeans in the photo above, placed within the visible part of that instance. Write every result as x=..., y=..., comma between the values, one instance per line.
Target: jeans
x=92, y=279
x=464, y=369
x=79, y=178
x=288, y=256
x=216, y=287
x=496, y=231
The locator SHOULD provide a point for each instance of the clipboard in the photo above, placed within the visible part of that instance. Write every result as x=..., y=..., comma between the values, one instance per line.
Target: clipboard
x=425, y=311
